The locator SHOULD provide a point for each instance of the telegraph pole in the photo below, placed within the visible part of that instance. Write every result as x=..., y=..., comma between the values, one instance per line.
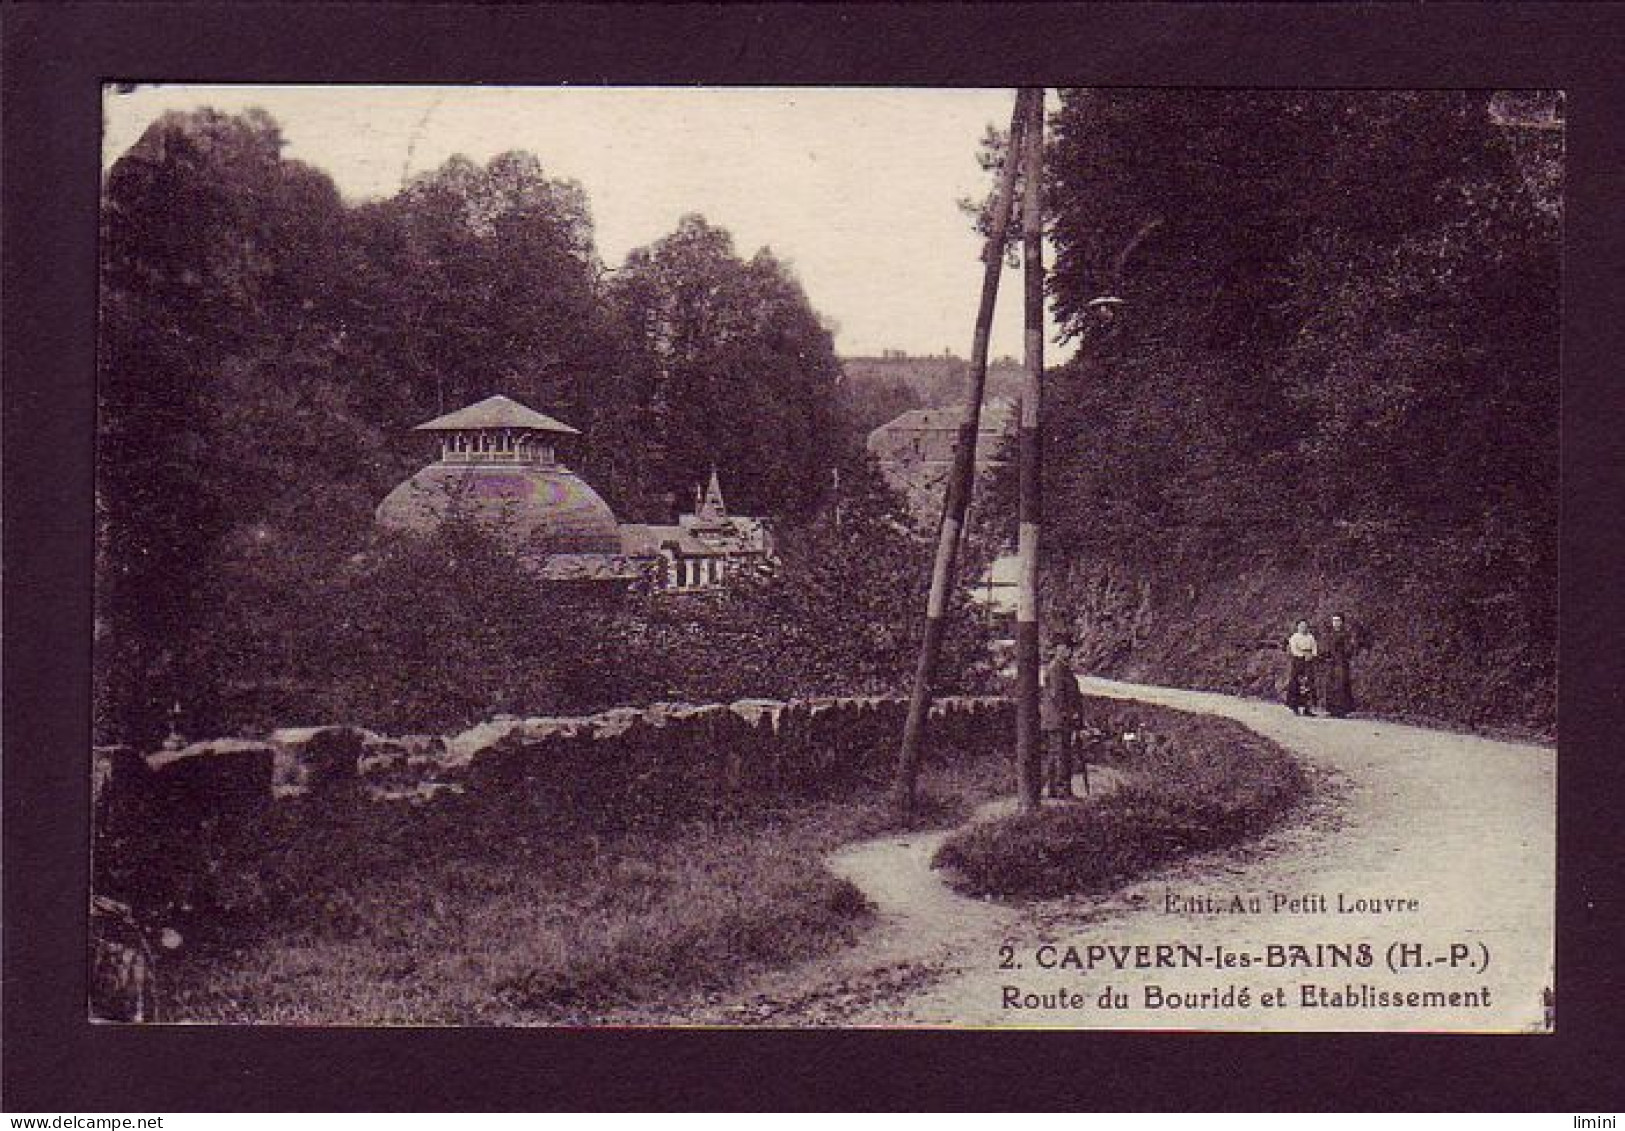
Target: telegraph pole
x=962, y=477
x=1029, y=738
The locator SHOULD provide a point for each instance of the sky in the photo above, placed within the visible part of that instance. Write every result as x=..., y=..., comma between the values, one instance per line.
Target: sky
x=856, y=188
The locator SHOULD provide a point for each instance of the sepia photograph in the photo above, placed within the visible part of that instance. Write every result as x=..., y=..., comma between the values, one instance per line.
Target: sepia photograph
x=827, y=557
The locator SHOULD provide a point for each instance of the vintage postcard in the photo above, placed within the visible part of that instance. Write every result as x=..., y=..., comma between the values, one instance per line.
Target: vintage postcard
x=859, y=557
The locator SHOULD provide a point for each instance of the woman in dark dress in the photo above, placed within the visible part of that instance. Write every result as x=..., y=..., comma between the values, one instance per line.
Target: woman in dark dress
x=1336, y=657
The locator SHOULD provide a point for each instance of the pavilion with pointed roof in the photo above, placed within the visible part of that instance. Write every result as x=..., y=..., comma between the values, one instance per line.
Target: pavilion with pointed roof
x=499, y=467
x=497, y=412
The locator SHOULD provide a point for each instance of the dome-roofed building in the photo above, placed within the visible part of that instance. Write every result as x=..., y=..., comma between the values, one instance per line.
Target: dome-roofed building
x=499, y=467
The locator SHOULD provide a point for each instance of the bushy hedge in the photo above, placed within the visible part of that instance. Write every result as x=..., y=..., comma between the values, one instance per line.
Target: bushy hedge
x=1193, y=783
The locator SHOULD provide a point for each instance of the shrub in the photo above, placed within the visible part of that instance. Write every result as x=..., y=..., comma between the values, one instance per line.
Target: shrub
x=1194, y=783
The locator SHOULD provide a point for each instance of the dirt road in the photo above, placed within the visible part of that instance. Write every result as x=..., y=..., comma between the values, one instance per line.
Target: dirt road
x=1432, y=851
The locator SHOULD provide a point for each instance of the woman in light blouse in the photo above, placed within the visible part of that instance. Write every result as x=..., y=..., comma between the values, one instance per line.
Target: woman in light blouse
x=1301, y=651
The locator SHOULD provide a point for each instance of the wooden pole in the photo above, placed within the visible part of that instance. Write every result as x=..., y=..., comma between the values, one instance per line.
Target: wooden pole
x=961, y=478
x=1029, y=737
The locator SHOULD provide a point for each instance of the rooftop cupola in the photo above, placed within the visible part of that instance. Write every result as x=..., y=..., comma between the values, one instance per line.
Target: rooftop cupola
x=498, y=430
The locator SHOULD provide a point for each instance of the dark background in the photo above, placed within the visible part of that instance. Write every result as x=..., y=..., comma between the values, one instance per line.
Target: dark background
x=55, y=56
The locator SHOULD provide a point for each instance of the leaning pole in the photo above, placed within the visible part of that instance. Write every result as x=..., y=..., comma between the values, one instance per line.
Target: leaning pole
x=1029, y=739
x=961, y=477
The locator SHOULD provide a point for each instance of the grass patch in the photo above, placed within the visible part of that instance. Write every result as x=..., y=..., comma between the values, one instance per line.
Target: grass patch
x=1194, y=783
x=396, y=915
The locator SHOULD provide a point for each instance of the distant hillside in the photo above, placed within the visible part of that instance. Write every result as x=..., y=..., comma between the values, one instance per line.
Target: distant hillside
x=938, y=380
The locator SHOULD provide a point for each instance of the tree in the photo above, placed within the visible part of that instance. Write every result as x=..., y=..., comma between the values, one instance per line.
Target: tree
x=732, y=368
x=1339, y=346
x=214, y=254
x=477, y=280
x=264, y=352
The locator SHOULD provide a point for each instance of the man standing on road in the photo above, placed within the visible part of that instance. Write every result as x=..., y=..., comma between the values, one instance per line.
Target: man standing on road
x=1060, y=713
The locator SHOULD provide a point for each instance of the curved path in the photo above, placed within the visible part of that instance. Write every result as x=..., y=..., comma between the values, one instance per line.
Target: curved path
x=1464, y=826
x=1445, y=840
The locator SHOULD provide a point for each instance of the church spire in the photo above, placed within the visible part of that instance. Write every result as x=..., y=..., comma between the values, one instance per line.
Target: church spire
x=710, y=512
x=713, y=507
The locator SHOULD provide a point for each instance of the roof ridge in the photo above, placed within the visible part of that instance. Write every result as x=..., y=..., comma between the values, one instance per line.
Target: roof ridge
x=496, y=411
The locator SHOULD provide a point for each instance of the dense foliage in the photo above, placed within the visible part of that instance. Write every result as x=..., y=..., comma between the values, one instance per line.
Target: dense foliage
x=1335, y=368
x=731, y=367
x=842, y=610
x=264, y=350
x=1333, y=382
x=434, y=634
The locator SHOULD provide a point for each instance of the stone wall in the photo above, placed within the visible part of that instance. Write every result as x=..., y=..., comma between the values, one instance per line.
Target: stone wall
x=667, y=762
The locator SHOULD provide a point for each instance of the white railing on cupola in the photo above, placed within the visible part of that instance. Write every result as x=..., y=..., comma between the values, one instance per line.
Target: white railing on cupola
x=497, y=446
